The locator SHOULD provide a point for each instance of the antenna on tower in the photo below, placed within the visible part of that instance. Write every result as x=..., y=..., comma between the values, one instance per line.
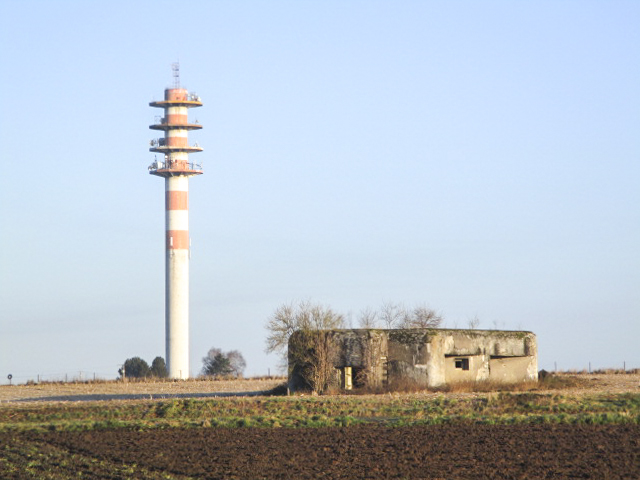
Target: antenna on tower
x=175, y=67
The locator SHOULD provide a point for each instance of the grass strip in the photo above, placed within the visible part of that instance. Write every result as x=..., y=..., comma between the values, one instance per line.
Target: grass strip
x=335, y=411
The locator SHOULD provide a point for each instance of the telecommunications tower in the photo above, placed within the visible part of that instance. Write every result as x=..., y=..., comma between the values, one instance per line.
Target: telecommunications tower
x=176, y=170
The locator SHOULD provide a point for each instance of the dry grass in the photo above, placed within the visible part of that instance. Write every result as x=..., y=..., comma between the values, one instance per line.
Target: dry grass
x=549, y=382
x=566, y=382
x=570, y=383
x=147, y=389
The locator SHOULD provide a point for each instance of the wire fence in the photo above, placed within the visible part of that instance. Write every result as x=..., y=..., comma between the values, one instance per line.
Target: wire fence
x=102, y=375
x=80, y=376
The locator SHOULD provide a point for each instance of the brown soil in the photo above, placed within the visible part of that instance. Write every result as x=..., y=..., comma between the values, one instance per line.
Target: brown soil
x=429, y=452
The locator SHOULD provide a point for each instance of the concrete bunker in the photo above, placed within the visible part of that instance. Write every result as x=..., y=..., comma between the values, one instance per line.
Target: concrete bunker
x=425, y=357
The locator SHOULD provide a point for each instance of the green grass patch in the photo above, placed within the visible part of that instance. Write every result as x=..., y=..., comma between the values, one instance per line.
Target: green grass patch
x=326, y=411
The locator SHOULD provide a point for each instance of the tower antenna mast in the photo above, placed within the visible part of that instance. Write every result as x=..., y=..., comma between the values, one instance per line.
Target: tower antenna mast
x=175, y=68
x=176, y=169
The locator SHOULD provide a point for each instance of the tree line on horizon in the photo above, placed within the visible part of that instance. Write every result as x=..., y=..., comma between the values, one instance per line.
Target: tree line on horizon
x=215, y=364
x=286, y=319
x=137, y=367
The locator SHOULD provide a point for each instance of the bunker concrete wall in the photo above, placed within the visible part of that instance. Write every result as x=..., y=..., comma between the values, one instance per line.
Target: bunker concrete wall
x=428, y=356
x=512, y=369
x=488, y=342
x=408, y=356
x=501, y=356
x=478, y=369
x=436, y=363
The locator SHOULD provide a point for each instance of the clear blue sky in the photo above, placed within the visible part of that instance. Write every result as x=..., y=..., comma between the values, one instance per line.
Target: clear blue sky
x=480, y=157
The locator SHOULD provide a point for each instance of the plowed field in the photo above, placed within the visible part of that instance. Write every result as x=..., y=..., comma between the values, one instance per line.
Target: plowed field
x=456, y=451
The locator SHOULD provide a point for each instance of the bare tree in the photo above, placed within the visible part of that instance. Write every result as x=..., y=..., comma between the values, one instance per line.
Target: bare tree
x=311, y=350
x=236, y=362
x=392, y=314
x=368, y=318
x=220, y=364
x=304, y=316
x=474, y=322
x=281, y=325
x=421, y=317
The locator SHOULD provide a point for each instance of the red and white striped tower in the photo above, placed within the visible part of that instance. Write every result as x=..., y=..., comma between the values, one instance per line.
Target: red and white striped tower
x=176, y=170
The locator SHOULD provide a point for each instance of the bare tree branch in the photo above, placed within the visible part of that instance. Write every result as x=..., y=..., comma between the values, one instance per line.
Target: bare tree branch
x=219, y=363
x=312, y=352
x=368, y=318
x=421, y=317
x=392, y=314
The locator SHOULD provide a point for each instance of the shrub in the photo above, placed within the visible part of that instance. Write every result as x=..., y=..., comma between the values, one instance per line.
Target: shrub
x=159, y=368
x=135, y=367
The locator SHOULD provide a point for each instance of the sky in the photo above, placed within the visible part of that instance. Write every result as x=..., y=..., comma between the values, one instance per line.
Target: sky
x=478, y=157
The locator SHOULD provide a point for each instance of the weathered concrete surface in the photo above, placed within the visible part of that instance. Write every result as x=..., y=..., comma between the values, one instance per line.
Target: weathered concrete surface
x=496, y=355
x=430, y=357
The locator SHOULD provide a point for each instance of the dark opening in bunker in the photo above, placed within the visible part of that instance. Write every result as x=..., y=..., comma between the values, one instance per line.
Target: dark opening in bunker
x=462, y=363
x=351, y=377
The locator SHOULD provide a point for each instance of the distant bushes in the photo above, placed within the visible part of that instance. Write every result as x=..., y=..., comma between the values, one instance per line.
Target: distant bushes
x=136, y=367
x=219, y=364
